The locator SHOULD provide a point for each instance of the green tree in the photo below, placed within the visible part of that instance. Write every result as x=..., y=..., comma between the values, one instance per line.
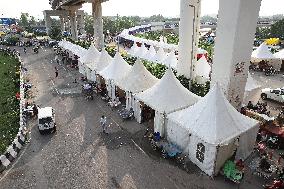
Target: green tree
x=89, y=24
x=32, y=21
x=262, y=32
x=277, y=29
x=24, y=22
x=55, y=32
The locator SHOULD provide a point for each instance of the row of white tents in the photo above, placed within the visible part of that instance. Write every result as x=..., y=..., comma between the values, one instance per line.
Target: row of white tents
x=209, y=130
x=263, y=53
x=170, y=60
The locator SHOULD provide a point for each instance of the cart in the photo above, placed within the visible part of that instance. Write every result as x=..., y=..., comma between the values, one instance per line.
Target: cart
x=88, y=92
x=168, y=150
x=230, y=172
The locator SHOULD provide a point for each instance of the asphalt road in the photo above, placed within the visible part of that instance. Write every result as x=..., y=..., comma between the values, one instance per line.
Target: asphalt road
x=79, y=155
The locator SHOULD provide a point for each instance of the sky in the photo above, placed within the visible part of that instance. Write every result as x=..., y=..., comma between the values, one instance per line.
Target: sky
x=168, y=8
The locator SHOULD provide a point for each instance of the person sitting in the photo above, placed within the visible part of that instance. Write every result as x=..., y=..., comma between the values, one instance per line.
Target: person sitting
x=264, y=164
x=35, y=110
x=250, y=105
x=240, y=164
x=157, y=136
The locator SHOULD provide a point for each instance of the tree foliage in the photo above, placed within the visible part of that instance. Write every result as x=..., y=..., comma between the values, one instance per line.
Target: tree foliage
x=55, y=32
x=277, y=29
x=89, y=24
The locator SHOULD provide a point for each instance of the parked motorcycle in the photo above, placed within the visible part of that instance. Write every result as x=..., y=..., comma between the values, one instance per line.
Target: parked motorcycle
x=35, y=49
x=276, y=184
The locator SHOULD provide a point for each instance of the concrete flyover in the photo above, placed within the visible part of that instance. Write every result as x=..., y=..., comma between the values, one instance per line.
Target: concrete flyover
x=71, y=7
x=66, y=21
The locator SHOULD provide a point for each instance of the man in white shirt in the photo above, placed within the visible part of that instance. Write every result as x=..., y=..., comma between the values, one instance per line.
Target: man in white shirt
x=103, y=123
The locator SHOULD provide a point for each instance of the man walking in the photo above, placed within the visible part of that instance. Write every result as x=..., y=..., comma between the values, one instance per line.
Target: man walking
x=103, y=123
x=56, y=72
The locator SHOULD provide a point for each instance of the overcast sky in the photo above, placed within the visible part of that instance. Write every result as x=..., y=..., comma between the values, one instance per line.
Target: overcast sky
x=168, y=8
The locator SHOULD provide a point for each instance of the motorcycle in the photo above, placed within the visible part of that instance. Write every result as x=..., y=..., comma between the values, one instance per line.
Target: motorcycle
x=127, y=114
x=276, y=184
x=35, y=49
x=273, y=142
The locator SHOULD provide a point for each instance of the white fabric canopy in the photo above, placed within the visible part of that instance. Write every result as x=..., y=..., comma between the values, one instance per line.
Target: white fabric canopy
x=142, y=51
x=104, y=60
x=171, y=60
x=262, y=53
x=138, y=79
x=151, y=53
x=117, y=69
x=91, y=55
x=202, y=67
x=160, y=55
x=279, y=54
x=251, y=84
x=168, y=95
x=213, y=119
x=133, y=50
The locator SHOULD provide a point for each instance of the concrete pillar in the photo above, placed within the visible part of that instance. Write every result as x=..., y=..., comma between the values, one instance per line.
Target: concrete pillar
x=65, y=19
x=98, y=24
x=188, y=36
x=237, y=21
x=73, y=23
x=80, y=23
x=47, y=21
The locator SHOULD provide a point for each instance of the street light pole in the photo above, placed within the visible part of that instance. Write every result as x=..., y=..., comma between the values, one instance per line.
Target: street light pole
x=117, y=37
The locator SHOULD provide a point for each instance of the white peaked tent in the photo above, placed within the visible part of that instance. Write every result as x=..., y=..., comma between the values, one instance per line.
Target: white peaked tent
x=279, y=54
x=166, y=96
x=261, y=53
x=104, y=60
x=211, y=131
x=138, y=79
x=151, y=53
x=171, y=60
x=89, y=60
x=91, y=54
x=202, y=69
x=142, y=51
x=252, y=91
x=98, y=65
x=160, y=56
x=133, y=50
x=116, y=70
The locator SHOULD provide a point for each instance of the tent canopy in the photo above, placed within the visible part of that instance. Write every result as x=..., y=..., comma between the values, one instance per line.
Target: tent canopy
x=213, y=119
x=279, y=54
x=262, y=52
x=142, y=51
x=117, y=69
x=104, y=60
x=160, y=55
x=168, y=95
x=171, y=60
x=91, y=55
x=202, y=67
x=251, y=84
x=151, y=53
x=133, y=50
x=138, y=79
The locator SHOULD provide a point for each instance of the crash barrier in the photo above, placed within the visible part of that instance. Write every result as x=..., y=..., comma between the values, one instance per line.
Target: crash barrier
x=13, y=150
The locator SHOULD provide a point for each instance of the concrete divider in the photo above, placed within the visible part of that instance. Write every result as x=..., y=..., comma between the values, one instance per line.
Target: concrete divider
x=13, y=150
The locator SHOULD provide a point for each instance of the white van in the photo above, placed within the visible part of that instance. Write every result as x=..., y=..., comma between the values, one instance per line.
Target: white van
x=46, y=120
